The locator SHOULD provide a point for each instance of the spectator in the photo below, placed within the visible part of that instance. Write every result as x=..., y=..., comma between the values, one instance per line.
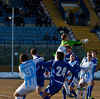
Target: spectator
x=71, y=17
x=77, y=15
x=60, y=29
x=66, y=30
x=21, y=21
x=66, y=17
x=83, y=19
x=55, y=38
x=47, y=38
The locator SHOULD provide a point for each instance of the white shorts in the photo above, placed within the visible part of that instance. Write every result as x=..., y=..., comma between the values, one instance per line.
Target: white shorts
x=23, y=90
x=84, y=81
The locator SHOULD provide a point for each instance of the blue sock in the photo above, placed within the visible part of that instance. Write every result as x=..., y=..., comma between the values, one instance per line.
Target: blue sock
x=41, y=93
x=47, y=97
x=87, y=94
x=74, y=93
x=90, y=90
x=24, y=97
x=64, y=93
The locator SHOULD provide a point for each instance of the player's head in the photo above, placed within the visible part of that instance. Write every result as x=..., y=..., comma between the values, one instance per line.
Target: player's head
x=23, y=58
x=68, y=48
x=94, y=53
x=89, y=56
x=60, y=56
x=88, y=53
x=33, y=51
x=72, y=57
x=64, y=37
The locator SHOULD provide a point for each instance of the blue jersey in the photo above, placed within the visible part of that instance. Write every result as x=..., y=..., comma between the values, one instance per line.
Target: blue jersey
x=76, y=67
x=67, y=57
x=59, y=71
x=40, y=69
x=28, y=69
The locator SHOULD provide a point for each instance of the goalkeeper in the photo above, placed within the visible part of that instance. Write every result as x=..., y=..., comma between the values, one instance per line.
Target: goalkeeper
x=65, y=41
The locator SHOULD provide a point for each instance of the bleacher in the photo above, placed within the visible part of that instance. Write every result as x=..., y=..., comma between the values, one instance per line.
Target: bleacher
x=28, y=35
x=33, y=32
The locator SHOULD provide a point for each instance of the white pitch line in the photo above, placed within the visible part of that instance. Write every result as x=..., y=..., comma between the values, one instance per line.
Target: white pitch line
x=5, y=96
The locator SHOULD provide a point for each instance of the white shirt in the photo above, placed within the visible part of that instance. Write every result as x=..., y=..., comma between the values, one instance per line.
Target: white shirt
x=37, y=59
x=86, y=72
x=60, y=49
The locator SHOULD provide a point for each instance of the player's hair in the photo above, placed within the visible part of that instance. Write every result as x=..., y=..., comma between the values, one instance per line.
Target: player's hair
x=63, y=36
x=73, y=54
x=89, y=52
x=23, y=58
x=60, y=56
x=90, y=55
x=68, y=46
x=33, y=51
x=94, y=51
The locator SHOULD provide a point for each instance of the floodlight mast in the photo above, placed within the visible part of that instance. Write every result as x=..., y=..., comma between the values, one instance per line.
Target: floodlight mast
x=12, y=63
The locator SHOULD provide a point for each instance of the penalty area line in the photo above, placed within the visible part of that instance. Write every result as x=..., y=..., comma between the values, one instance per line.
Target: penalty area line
x=3, y=95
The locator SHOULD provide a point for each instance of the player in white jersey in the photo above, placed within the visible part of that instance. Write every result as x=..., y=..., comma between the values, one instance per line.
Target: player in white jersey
x=86, y=74
x=90, y=87
x=27, y=70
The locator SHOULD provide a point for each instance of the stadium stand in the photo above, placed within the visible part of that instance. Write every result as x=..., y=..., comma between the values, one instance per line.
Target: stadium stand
x=36, y=20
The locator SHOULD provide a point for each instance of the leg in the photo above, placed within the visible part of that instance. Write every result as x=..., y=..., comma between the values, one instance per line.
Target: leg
x=72, y=90
x=91, y=88
x=87, y=94
x=38, y=90
x=64, y=93
x=17, y=96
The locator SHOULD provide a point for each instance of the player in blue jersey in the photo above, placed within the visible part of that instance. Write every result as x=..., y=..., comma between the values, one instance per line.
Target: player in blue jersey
x=58, y=75
x=40, y=70
x=27, y=70
x=36, y=57
x=89, y=89
x=69, y=52
x=67, y=59
x=76, y=67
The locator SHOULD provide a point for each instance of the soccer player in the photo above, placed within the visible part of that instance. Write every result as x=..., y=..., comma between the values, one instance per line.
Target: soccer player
x=76, y=67
x=61, y=48
x=69, y=52
x=40, y=70
x=94, y=60
x=86, y=73
x=67, y=59
x=27, y=70
x=58, y=75
x=66, y=41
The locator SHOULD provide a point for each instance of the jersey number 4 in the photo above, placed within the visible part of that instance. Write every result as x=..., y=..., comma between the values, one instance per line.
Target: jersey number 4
x=61, y=71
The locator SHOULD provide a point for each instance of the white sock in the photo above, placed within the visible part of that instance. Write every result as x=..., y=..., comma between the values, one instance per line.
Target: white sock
x=18, y=98
x=66, y=87
x=78, y=93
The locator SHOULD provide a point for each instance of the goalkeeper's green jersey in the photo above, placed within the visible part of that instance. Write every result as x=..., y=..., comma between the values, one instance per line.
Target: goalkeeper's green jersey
x=71, y=43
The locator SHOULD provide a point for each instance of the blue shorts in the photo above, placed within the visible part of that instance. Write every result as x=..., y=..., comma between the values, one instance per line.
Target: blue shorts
x=53, y=88
x=72, y=84
x=40, y=83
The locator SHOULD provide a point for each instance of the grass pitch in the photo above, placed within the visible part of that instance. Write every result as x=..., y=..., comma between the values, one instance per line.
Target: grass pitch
x=8, y=87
